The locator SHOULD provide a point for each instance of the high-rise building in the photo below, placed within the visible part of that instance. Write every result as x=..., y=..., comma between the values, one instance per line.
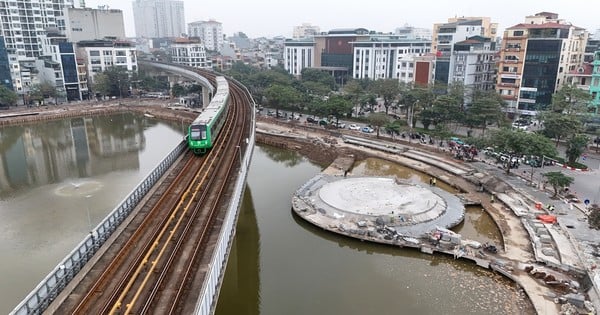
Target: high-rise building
x=58, y=66
x=305, y=30
x=99, y=55
x=445, y=35
x=22, y=22
x=473, y=63
x=536, y=59
x=158, y=18
x=210, y=33
x=91, y=24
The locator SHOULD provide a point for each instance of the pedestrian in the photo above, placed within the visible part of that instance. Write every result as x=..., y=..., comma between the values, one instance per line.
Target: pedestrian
x=433, y=181
x=430, y=181
x=492, y=198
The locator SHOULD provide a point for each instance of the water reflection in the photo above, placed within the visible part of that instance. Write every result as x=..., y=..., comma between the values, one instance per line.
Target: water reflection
x=50, y=152
x=288, y=266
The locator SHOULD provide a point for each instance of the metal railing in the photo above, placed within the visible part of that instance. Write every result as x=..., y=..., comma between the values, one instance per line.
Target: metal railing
x=50, y=287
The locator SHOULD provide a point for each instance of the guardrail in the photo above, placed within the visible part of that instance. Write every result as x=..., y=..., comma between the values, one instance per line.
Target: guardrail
x=50, y=287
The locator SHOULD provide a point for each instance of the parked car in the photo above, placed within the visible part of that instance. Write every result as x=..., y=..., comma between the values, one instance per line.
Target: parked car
x=354, y=127
x=367, y=129
x=340, y=125
x=311, y=120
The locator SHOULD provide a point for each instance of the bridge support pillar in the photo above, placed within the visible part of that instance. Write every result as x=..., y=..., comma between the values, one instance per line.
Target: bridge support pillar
x=205, y=96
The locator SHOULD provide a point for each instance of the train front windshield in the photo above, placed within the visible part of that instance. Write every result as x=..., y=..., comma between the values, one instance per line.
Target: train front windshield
x=198, y=132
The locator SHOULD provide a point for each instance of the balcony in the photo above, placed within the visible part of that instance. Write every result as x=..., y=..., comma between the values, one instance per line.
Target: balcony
x=512, y=49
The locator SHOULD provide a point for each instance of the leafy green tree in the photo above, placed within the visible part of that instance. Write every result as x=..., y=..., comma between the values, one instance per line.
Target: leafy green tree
x=354, y=91
x=40, y=92
x=517, y=143
x=570, y=100
x=113, y=81
x=558, y=180
x=377, y=120
x=486, y=107
x=594, y=217
x=560, y=126
x=317, y=89
x=338, y=106
x=282, y=97
x=447, y=110
x=7, y=97
x=395, y=126
x=387, y=89
x=177, y=90
x=319, y=76
x=575, y=147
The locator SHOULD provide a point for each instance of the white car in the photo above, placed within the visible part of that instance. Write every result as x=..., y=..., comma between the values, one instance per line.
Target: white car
x=354, y=127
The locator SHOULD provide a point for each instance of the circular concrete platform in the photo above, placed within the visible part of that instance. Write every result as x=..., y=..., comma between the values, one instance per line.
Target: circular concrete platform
x=383, y=196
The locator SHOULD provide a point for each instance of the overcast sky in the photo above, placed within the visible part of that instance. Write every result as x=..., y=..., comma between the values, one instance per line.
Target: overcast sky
x=269, y=18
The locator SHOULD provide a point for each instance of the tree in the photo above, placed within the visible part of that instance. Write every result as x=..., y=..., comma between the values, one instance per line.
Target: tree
x=354, y=90
x=177, y=90
x=387, y=89
x=486, y=107
x=113, y=81
x=7, y=97
x=575, y=147
x=338, y=106
x=560, y=126
x=594, y=217
x=40, y=92
x=518, y=143
x=319, y=76
x=570, y=100
x=281, y=96
x=558, y=180
x=377, y=120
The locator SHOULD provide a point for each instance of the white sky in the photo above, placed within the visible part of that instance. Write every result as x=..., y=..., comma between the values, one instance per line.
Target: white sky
x=269, y=18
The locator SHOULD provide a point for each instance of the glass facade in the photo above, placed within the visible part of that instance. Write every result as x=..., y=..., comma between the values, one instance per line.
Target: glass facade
x=5, y=78
x=539, y=73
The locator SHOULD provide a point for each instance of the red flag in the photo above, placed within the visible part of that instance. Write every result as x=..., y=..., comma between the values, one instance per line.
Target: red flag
x=438, y=54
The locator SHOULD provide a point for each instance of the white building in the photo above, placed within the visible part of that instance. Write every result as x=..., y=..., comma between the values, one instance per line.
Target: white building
x=297, y=55
x=99, y=55
x=158, y=18
x=387, y=57
x=305, y=30
x=189, y=52
x=91, y=24
x=210, y=33
x=411, y=32
x=58, y=66
x=28, y=19
x=473, y=63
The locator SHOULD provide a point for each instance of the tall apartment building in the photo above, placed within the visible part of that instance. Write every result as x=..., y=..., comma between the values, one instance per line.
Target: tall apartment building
x=473, y=63
x=189, y=52
x=305, y=30
x=22, y=22
x=158, y=18
x=387, y=57
x=210, y=33
x=297, y=55
x=91, y=24
x=445, y=35
x=535, y=60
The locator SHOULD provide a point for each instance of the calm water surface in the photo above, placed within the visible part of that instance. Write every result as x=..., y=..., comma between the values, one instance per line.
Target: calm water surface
x=282, y=265
x=58, y=179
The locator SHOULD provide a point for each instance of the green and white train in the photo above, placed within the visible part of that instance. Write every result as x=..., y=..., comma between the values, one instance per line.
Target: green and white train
x=205, y=129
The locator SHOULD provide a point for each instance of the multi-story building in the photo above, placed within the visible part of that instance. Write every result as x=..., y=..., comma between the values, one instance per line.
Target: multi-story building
x=58, y=66
x=158, y=18
x=535, y=60
x=445, y=35
x=22, y=22
x=473, y=63
x=387, y=57
x=98, y=55
x=210, y=33
x=297, y=55
x=92, y=24
x=595, y=83
x=189, y=52
x=411, y=32
x=5, y=78
x=305, y=30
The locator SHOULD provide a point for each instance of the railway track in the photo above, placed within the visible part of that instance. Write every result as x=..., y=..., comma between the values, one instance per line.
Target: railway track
x=158, y=262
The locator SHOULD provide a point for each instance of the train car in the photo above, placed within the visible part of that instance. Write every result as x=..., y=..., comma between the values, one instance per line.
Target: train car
x=205, y=129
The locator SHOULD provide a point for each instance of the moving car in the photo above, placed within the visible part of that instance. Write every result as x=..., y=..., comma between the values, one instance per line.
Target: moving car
x=354, y=127
x=367, y=129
